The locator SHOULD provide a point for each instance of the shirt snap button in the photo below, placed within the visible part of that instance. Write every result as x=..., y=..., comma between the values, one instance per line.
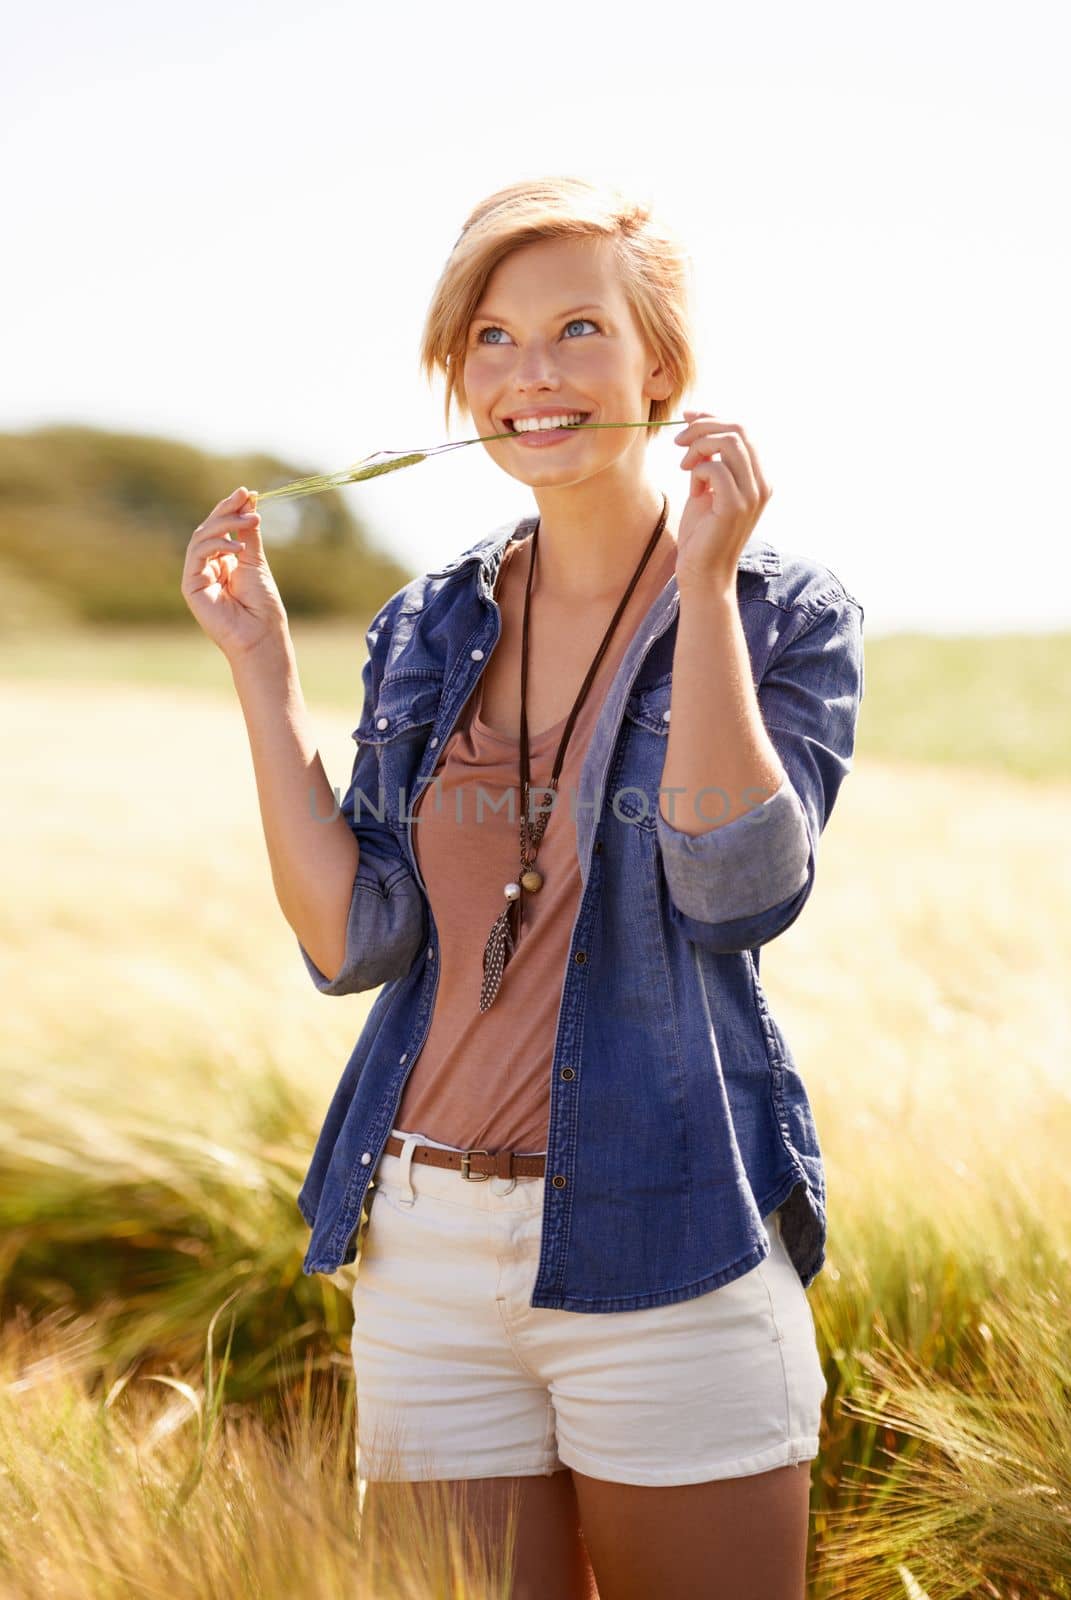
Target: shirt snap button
x=403, y=1058
x=568, y=1074
x=665, y=716
x=382, y=722
x=366, y=1159
x=580, y=957
x=558, y=1181
x=477, y=655
x=434, y=742
x=431, y=952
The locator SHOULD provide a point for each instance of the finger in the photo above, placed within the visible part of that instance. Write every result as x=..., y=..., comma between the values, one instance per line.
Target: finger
x=696, y=420
x=238, y=500
x=703, y=424
x=201, y=556
x=210, y=578
x=708, y=444
x=216, y=572
x=734, y=455
x=211, y=570
x=249, y=530
x=701, y=429
x=716, y=475
x=215, y=527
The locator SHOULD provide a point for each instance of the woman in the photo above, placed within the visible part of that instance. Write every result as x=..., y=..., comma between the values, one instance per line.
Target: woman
x=599, y=1197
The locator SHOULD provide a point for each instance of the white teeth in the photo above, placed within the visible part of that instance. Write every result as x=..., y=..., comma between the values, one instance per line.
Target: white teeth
x=532, y=424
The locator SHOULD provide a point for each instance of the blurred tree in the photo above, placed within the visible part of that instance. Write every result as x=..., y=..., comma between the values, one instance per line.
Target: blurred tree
x=98, y=522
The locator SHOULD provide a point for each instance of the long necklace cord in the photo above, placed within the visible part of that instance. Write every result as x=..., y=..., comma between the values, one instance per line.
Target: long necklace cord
x=505, y=932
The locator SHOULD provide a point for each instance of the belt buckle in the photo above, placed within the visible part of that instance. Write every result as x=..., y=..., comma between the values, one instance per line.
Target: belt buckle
x=479, y=1177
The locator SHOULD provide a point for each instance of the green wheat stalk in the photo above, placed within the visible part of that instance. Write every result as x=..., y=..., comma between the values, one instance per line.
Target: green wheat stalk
x=370, y=467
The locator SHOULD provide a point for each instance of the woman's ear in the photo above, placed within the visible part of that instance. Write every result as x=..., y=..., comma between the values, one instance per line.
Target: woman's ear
x=659, y=385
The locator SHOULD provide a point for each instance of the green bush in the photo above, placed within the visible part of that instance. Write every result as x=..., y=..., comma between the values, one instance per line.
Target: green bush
x=98, y=523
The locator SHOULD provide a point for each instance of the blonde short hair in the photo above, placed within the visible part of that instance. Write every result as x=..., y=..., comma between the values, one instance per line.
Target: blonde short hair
x=655, y=270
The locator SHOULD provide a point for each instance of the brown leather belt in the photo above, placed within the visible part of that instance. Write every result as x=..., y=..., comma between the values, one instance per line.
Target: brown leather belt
x=474, y=1165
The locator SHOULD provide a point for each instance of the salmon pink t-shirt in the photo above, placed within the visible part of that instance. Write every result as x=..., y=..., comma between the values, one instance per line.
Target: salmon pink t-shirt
x=482, y=1079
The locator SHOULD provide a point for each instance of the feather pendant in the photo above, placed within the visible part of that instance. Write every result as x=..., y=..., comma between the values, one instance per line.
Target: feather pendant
x=500, y=946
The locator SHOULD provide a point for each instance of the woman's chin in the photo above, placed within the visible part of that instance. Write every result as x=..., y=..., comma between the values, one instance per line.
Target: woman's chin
x=536, y=465
x=546, y=474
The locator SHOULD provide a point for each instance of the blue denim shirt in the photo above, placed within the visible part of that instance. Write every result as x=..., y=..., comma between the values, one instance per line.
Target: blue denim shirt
x=677, y=1117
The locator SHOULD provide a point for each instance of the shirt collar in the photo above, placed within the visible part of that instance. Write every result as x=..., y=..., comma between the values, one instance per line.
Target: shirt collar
x=758, y=555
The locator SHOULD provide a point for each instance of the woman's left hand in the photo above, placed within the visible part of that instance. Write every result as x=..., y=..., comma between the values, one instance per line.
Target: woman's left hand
x=728, y=497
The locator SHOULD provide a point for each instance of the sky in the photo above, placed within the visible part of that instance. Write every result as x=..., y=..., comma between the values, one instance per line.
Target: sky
x=225, y=222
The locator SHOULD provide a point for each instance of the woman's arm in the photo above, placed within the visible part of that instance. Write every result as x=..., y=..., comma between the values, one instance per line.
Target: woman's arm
x=737, y=885
x=720, y=761
x=343, y=884
x=313, y=852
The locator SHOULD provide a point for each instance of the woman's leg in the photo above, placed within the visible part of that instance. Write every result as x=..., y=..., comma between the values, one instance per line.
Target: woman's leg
x=732, y=1539
x=550, y=1558
x=453, y=1429
x=689, y=1429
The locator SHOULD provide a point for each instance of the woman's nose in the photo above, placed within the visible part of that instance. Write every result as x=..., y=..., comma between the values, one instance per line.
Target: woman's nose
x=536, y=365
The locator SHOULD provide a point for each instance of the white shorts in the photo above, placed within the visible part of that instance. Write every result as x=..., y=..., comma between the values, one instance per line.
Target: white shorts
x=459, y=1377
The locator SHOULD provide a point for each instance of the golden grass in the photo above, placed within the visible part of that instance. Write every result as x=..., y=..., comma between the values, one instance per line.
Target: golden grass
x=393, y=460
x=155, y=1486
x=166, y=1062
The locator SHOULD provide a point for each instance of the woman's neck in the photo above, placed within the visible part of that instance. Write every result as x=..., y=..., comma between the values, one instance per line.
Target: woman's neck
x=585, y=558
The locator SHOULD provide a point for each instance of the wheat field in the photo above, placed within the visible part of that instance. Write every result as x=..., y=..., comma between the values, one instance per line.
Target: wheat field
x=176, y=1397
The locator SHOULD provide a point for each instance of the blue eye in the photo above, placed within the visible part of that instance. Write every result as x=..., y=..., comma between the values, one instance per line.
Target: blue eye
x=576, y=322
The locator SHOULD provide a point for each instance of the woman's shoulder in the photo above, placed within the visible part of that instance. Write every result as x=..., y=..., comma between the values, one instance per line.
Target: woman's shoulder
x=491, y=547
x=796, y=581
x=418, y=601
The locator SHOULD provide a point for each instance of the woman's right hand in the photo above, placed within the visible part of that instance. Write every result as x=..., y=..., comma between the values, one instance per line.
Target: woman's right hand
x=229, y=589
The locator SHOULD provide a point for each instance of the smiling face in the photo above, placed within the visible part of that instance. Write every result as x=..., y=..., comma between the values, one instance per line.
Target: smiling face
x=554, y=336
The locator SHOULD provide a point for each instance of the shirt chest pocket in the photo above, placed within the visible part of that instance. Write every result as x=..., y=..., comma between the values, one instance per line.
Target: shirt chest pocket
x=398, y=728
x=634, y=795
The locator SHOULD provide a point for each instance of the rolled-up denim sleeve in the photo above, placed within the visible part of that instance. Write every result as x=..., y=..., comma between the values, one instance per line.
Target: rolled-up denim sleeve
x=386, y=926
x=738, y=886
